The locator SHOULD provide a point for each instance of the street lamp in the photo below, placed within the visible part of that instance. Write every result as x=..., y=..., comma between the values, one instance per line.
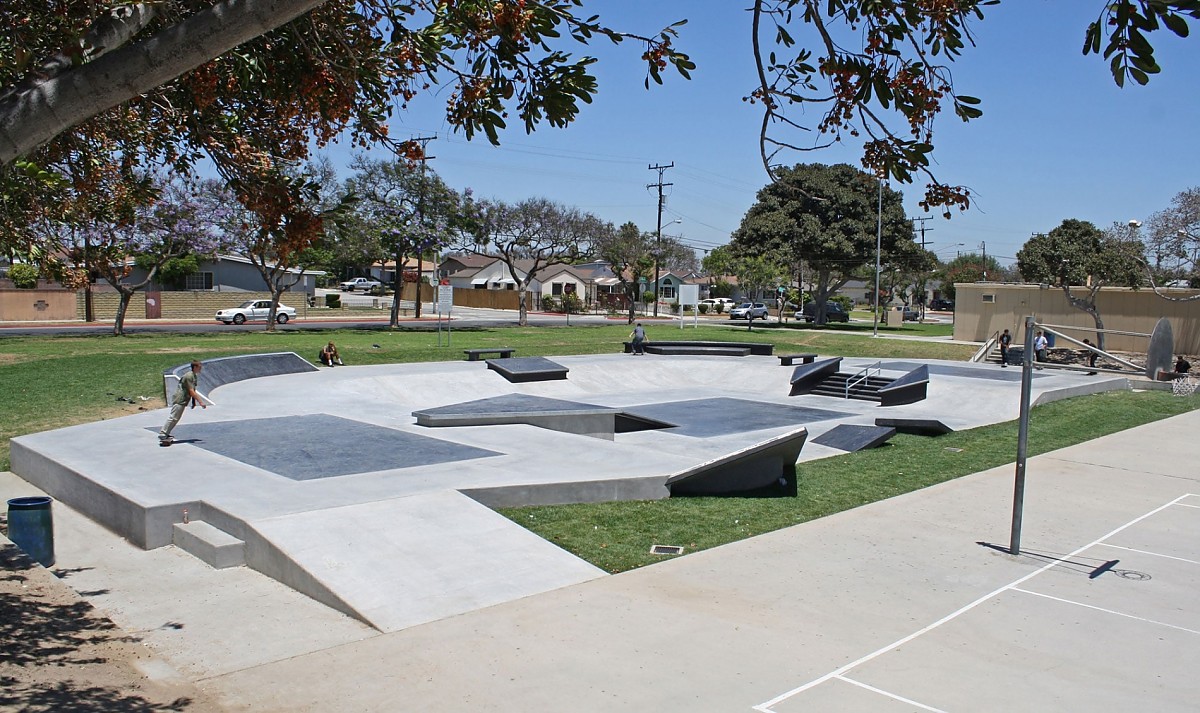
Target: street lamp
x=657, y=252
x=878, y=253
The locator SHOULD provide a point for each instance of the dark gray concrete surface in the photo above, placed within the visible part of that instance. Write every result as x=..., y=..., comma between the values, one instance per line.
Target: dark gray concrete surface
x=702, y=418
x=854, y=437
x=321, y=446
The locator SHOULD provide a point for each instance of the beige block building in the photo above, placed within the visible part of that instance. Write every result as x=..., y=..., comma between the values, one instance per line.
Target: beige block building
x=985, y=308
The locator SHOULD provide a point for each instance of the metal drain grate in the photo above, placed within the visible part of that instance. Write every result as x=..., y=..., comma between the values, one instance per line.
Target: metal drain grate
x=666, y=550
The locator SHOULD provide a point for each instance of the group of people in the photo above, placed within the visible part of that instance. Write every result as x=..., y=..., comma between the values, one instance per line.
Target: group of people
x=1041, y=345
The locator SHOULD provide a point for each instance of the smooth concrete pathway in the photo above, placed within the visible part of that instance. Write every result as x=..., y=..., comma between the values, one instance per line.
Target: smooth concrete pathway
x=909, y=604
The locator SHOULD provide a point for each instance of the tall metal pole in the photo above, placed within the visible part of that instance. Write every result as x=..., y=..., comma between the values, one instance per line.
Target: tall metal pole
x=878, y=250
x=658, y=230
x=1014, y=543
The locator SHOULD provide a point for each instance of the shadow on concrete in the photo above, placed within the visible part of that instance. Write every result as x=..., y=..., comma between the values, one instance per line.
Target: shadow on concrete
x=40, y=633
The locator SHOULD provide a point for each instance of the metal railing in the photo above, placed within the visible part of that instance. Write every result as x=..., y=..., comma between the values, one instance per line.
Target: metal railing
x=986, y=349
x=862, y=375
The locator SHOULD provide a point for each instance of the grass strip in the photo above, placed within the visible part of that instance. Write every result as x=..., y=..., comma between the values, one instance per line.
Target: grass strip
x=617, y=536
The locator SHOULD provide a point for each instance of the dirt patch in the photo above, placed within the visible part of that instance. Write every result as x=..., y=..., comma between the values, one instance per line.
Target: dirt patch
x=59, y=654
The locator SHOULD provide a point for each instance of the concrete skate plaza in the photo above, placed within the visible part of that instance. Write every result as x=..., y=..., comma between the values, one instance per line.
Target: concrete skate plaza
x=338, y=492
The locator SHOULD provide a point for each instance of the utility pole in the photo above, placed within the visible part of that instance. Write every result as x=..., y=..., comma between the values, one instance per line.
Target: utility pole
x=922, y=221
x=983, y=265
x=417, y=242
x=658, y=231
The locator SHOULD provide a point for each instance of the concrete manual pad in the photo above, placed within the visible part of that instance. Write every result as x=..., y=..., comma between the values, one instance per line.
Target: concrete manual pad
x=520, y=370
x=321, y=446
x=703, y=418
x=854, y=437
x=114, y=472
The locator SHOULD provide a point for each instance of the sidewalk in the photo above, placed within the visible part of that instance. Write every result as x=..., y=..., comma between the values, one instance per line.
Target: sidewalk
x=912, y=603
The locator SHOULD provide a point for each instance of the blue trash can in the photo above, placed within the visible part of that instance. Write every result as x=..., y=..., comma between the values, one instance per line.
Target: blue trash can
x=31, y=527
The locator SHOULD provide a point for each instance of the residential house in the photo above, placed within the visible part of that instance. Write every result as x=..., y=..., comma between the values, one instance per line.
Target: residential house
x=424, y=270
x=234, y=273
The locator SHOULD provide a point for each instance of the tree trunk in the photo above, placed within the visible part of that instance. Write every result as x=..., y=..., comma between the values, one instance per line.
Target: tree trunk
x=122, y=308
x=33, y=116
x=522, y=313
x=1088, y=305
x=394, y=322
x=276, y=294
x=631, y=295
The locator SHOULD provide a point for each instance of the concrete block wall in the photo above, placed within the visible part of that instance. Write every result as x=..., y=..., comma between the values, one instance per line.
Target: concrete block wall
x=179, y=305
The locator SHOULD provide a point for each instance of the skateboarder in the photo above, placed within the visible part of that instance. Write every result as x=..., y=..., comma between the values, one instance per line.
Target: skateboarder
x=184, y=395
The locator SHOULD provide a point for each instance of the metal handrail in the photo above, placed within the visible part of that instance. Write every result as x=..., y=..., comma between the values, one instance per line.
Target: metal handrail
x=986, y=348
x=865, y=373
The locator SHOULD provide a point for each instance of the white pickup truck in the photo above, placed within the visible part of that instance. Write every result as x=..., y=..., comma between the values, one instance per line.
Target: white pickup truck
x=359, y=283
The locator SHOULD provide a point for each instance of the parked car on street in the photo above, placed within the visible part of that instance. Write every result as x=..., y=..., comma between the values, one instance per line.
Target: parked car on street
x=909, y=314
x=833, y=313
x=714, y=303
x=359, y=283
x=255, y=309
x=941, y=305
x=749, y=310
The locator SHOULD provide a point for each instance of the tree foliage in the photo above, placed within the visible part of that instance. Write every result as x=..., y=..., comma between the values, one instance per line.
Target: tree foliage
x=404, y=209
x=173, y=226
x=970, y=267
x=1079, y=256
x=880, y=72
x=530, y=235
x=630, y=253
x=1172, y=239
x=827, y=217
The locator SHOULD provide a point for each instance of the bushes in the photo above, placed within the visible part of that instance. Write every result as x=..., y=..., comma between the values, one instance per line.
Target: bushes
x=333, y=300
x=23, y=276
x=572, y=303
x=549, y=304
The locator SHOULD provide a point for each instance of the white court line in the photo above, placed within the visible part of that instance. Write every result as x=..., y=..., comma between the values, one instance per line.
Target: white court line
x=1106, y=611
x=1145, y=552
x=766, y=707
x=1185, y=505
x=881, y=692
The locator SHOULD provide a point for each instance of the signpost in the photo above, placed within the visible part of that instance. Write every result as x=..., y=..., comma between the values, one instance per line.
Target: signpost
x=689, y=295
x=445, y=302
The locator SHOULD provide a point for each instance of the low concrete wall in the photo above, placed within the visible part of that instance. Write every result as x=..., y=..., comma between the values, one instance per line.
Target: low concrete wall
x=36, y=305
x=199, y=304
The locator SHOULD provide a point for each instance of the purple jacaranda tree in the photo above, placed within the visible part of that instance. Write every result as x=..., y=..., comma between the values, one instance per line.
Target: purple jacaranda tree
x=175, y=224
x=411, y=211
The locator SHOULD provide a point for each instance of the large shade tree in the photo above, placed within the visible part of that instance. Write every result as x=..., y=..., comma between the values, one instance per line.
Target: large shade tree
x=1172, y=239
x=172, y=224
x=530, y=235
x=827, y=217
x=630, y=253
x=967, y=267
x=1079, y=258
x=407, y=210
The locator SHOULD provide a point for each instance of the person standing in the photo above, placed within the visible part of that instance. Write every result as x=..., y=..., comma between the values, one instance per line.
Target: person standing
x=1040, y=345
x=1005, y=343
x=1182, y=366
x=184, y=395
x=1091, y=355
x=638, y=335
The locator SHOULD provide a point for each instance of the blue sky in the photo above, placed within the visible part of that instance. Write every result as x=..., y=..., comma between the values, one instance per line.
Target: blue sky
x=1057, y=140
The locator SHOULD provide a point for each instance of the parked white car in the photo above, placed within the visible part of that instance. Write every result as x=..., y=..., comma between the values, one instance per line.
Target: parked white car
x=255, y=309
x=749, y=310
x=712, y=302
x=360, y=283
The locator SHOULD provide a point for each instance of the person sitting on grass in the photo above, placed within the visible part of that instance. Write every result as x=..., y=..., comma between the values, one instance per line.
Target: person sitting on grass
x=329, y=355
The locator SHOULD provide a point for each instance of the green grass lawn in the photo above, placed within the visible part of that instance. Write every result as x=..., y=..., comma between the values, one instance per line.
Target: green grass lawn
x=618, y=536
x=51, y=382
